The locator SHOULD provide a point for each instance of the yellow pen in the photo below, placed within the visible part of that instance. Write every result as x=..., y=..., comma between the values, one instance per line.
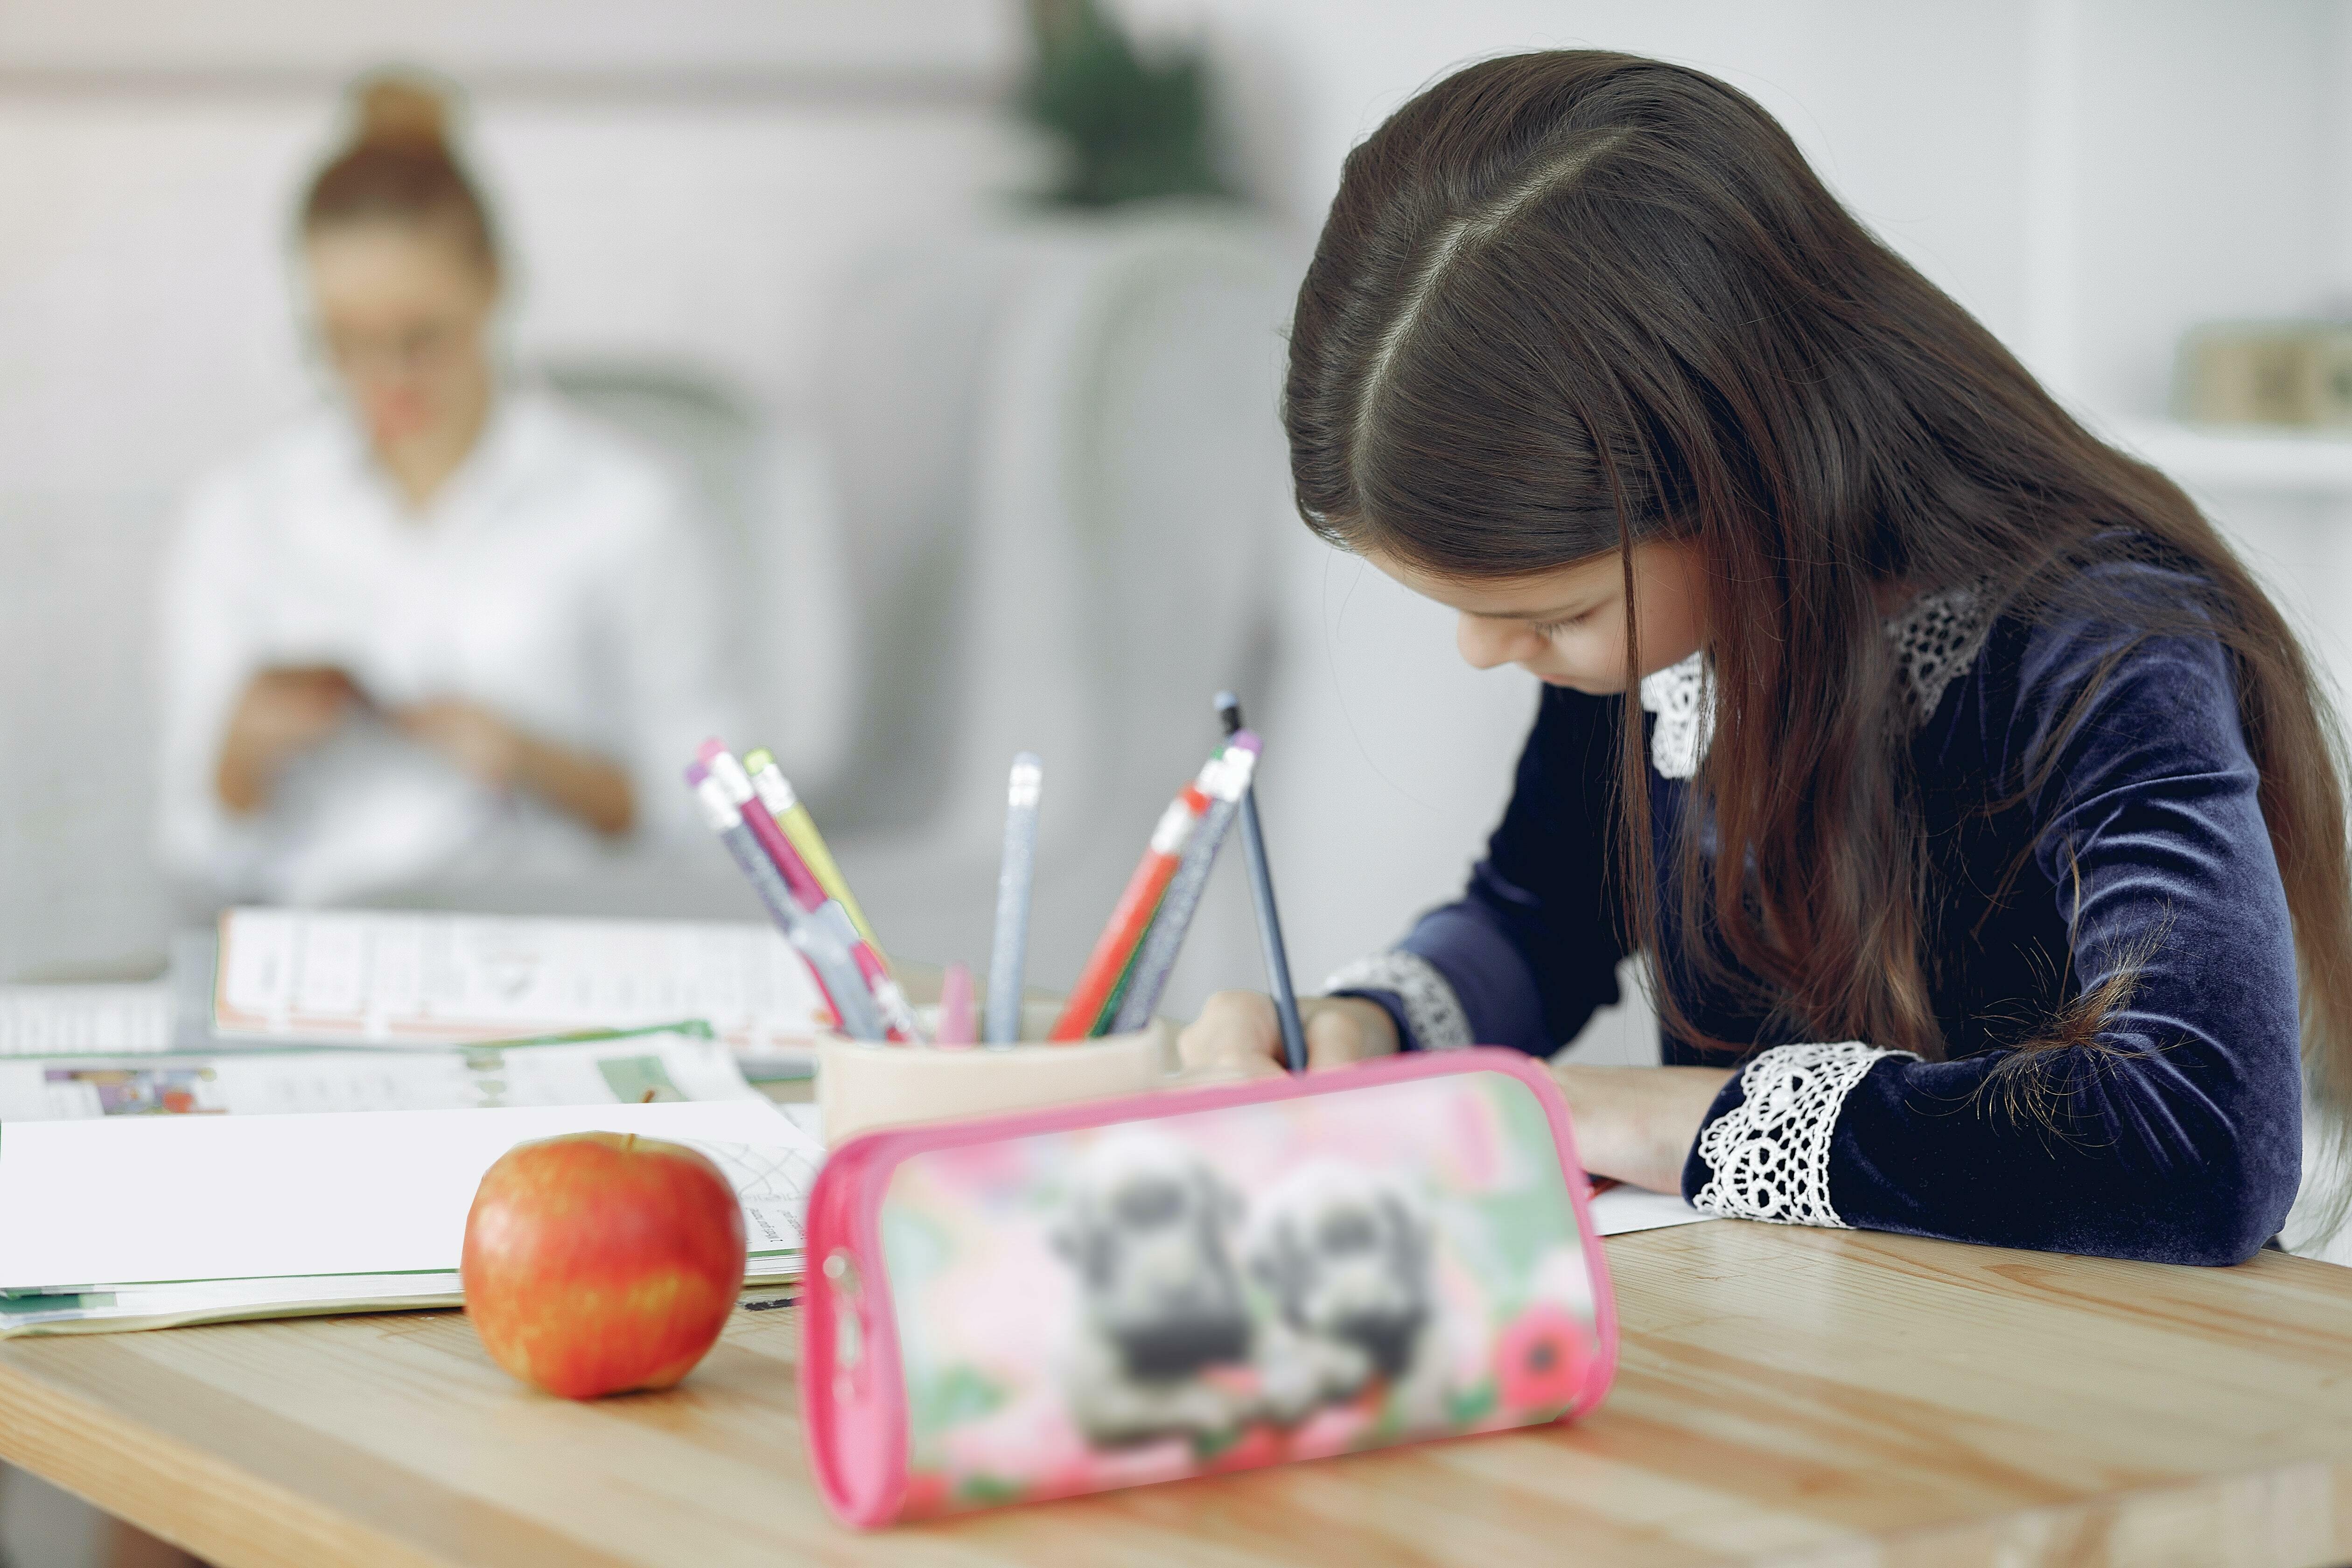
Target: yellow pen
x=775, y=792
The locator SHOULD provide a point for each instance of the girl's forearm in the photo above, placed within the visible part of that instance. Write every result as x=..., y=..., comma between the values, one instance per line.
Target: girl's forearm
x=1637, y=1124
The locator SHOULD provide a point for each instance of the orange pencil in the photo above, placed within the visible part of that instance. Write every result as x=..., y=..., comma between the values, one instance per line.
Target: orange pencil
x=1131, y=917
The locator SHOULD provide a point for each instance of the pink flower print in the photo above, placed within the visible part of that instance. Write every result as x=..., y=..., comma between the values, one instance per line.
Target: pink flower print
x=927, y=1494
x=1541, y=1359
x=1336, y=1429
x=1260, y=1444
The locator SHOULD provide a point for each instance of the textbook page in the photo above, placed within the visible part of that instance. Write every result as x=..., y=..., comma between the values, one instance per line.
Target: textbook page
x=84, y=1020
x=625, y=1070
x=121, y=1200
x=332, y=977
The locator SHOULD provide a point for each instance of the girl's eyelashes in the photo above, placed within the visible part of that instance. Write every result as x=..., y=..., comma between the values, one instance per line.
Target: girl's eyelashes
x=1553, y=628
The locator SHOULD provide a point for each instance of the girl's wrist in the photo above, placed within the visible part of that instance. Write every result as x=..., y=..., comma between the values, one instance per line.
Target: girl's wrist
x=1378, y=1029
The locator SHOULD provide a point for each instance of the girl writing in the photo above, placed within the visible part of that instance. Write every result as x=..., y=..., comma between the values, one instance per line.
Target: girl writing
x=1979, y=817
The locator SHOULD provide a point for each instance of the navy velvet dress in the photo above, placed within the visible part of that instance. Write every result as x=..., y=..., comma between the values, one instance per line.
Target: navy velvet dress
x=2144, y=847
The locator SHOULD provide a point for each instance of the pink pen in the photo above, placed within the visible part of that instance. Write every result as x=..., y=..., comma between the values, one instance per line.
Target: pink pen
x=955, y=1009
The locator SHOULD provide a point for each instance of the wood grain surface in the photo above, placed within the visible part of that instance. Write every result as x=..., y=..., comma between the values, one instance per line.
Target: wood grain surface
x=1791, y=1396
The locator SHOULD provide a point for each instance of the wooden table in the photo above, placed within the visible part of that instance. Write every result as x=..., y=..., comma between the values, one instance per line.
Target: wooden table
x=1813, y=1396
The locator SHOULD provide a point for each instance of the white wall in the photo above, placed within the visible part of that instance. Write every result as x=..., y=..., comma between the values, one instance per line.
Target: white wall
x=822, y=38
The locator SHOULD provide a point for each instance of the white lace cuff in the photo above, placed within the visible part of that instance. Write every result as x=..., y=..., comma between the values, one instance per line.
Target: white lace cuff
x=1432, y=1012
x=1769, y=1154
x=1683, y=697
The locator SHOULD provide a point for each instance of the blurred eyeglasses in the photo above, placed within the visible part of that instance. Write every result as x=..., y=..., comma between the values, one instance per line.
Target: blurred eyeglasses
x=418, y=349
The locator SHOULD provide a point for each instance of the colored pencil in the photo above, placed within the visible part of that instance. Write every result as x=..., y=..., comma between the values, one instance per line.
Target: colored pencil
x=1130, y=916
x=898, y=1015
x=829, y=962
x=776, y=793
x=1164, y=940
x=736, y=780
x=1269, y=921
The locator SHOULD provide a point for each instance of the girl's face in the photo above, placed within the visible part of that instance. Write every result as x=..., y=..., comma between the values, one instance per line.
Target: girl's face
x=402, y=314
x=1567, y=626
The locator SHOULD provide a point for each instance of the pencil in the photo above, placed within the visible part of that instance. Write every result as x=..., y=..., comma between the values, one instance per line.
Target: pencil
x=1165, y=939
x=808, y=891
x=1015, y=880
x=1269, y=921
x=1130, y=916
x=776, y=794
x=829, y=961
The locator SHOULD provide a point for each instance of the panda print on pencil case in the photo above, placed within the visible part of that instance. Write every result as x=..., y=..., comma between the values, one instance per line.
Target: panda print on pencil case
x=1174, y=1342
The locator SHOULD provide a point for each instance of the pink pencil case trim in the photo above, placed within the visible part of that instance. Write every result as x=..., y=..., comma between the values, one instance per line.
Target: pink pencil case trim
x=844, y=1213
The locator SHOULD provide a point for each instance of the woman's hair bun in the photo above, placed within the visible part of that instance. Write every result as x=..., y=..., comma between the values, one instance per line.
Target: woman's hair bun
x=398, y=165
x=398, y=109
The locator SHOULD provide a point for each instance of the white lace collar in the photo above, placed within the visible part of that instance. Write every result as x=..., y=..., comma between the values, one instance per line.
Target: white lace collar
x=1937, y=638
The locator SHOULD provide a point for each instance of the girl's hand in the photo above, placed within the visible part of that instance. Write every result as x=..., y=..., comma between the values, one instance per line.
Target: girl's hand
x=1236, y=1034
x=1637, y=1124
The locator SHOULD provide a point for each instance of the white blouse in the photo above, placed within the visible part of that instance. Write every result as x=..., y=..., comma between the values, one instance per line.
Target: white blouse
x=558, y=578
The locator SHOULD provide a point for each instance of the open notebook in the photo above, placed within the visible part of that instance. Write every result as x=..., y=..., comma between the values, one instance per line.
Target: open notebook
x=144, y=1221
x=361, y=978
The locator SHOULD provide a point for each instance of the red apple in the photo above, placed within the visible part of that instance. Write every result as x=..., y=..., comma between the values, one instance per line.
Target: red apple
x=600, y=1262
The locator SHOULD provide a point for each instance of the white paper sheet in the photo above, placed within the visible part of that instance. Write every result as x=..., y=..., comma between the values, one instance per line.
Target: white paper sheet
x=89, y=1205
x=87, y=1020
x=1622, y=1210
x=618, y=1072
x=333, y=976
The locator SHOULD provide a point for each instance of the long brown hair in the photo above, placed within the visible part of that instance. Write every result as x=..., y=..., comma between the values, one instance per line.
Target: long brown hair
x=1568, y=301
x=398, y=167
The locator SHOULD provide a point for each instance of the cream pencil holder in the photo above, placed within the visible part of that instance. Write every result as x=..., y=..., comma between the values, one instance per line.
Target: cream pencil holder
x=861, y=1085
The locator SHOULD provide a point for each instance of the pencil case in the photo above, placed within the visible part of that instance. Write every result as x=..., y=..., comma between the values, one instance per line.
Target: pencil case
x=862, y=1085
x=1017, y=1308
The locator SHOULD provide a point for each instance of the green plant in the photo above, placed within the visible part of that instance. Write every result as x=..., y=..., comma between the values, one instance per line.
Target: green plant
x=1130, y=127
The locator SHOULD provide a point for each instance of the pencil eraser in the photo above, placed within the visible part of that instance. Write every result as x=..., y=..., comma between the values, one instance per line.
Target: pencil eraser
x=1026, y=782
x=709, y=749
x=696, y=773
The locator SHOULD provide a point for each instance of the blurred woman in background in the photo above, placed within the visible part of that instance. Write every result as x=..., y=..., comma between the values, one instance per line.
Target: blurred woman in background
x=443, y=627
